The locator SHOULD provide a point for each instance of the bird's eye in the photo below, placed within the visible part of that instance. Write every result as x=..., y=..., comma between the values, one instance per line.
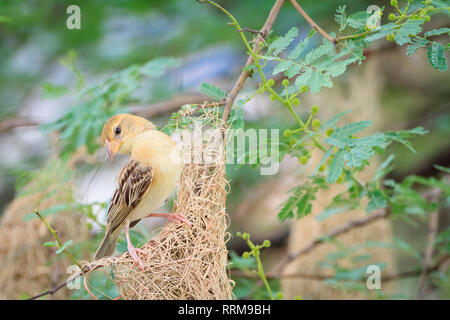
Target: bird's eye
x=117, y=130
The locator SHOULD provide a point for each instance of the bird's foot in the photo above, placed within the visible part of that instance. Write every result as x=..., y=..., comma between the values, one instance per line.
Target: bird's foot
x=172, y=217
x=178, y=218
x=134, y=254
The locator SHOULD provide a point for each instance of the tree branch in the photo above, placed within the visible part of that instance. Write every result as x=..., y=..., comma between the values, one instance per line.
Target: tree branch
x=336, y=232
x=433, y=228
x=432, y=193
x=16, y=122
x=311, y=22
x=319, y=277
x=245, y=74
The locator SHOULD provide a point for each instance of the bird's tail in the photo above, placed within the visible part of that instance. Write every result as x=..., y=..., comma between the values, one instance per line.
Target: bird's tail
x=108, y=244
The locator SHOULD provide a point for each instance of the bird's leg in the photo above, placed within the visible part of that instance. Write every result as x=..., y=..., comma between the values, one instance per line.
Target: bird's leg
x=172, y=217
x=131, y=249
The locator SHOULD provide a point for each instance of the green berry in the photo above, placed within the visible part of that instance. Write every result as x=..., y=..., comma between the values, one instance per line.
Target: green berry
x=392, y=17
x=239, y=234
x=273, y=97
x=316, y=124
x=285, y=82
x=291, y=143
x=246, y=255
x=322, y=168
x=303, y=159
x=270, y=82
x=394, y=3
x=330, y=132
x=314, y=109
x=427, y=18
x=390, y=37
x=279, y=295
x=266, y=243
x=304, y=88
x=296, y=102
x=287, y=133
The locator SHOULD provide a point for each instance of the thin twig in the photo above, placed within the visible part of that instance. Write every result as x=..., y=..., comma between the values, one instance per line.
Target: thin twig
x=245, y=74
x=58, y=240
x=433, y=227
x=16, y=122
x=54, y=290
x=244, y=29
x=311, y=21
x=432, y=193
x=336, y=232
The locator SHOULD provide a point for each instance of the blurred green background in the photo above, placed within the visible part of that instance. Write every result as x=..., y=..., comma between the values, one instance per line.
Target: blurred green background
x=117, y=33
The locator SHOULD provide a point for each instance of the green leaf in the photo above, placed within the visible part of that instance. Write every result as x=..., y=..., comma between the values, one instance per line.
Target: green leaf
x=293, y=70
x=408, y=29
x=401, y=136
x=416, y=44
x=303, y=79
x=157, y=67
x=358, y=20
x=282, y=66
x=332, y=122
x=287, y=210
x=315, y=54
x=352, y=128
x=213, y=91
x=436, y=56
x=53, y=91
x=330, y=212
x=341, y=18
x=381, y=33
x=51, y=244
x=64, y=247
x=303, y=206
x=298, y=50
x=281, y=43
x=356, y=155
x=442, y=168
x=377, y=200
x=383, y=169
x=318, y=80
x=337, y=165
x=299, y=202
x=437, y=32
x=325, y=158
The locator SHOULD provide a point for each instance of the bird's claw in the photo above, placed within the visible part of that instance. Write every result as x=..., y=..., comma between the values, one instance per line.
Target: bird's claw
x=179, y=218
x=134, y=254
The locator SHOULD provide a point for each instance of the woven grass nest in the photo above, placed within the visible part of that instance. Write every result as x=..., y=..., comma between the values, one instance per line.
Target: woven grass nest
x=26, y=265
x=182, y=262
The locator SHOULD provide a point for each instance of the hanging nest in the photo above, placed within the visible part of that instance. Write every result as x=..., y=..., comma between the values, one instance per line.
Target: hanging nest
x=28, y=267
x=182, y=262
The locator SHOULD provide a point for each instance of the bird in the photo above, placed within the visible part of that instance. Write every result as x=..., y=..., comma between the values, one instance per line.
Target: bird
x=145, y=182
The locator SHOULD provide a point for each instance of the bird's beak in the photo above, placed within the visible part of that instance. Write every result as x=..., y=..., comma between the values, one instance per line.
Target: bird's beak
x=112, y=148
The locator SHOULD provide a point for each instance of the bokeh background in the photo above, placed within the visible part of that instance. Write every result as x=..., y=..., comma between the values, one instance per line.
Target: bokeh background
x=37, y=87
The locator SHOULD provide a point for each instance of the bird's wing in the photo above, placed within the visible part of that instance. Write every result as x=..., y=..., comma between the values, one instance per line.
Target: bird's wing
x=133, y=182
